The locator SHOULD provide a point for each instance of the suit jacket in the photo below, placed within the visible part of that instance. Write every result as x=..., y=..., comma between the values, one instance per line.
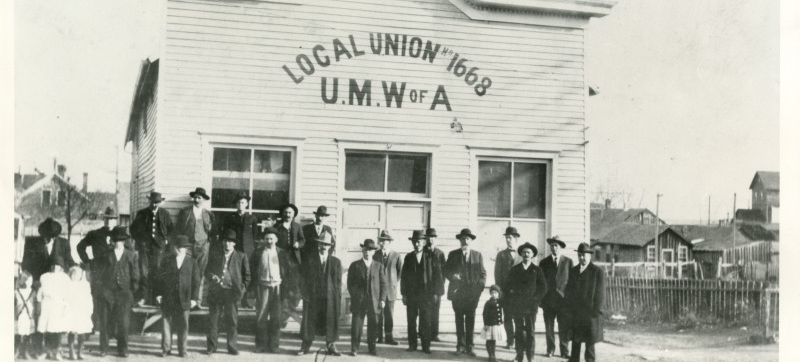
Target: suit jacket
x=245, y=227
x=238, y=269
x=310, y=236
x=438, y=256
x=37, y=261
x=556, y=277
x=177, y=287
x=585, y=298
x=424, y=287
x=142, y=225
x=119, y=279
x=287, y=237
x=186, y=222
x=502, y=265
x=367, y=287
x=524, y=289
x=101, y=243
x=392, y=268
x=471, y=276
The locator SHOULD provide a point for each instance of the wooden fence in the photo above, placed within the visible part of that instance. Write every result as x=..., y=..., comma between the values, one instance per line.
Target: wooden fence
x=730, y=302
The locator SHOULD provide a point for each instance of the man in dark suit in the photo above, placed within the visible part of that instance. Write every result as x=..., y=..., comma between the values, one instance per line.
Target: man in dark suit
x=245, y=226
x=197, y=224
x=118, y=281
x=366, y=284
x=524, y=288
x=101, y=243
x=322, y=292
x=438, y=256
x=312, y=231
x=177, y=292
x=419, y=281
x=290, y=234
x=40, y=253
x=150, y=228
x=556, y=269
x=392, y=267
x=228, y=274
x=504, y=260
x=269, y=267
x=585, y=297
x=467, y=276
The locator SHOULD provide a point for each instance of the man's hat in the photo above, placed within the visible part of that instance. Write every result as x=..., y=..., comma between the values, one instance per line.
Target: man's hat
x=322, y=210
x=511, y=231
x=49, y=228
x=385, y=236
x=241, y=195
x=417, y=235
x=199, y=192
x=119, y=233
x=369, y=244
x=155, y=196
x=584, y=248
x=431, y=233
x=528, y=245
x=270, y=230
x=496, y=288
x=228, y=235
x=556, y=240
x=325, y=238
x=465, y=233
x=182, y=241
x=296, y=211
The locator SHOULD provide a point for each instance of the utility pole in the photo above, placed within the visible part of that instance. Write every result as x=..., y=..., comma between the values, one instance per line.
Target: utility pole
x=658, y=199
x=733, y=239
x=709, y=209
x=116, y=183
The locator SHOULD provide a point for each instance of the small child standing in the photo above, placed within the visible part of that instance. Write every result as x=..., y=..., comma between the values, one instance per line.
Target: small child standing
x=80, y=312
x=24, y=314
x=493, y=330
x=52, y=296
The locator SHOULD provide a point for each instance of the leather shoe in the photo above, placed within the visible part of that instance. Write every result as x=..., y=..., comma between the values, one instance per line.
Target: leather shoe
x=301, y=352
x=549, y=354
x=426, y=350
x=435, y=339
x=164, y=354
x=373, y=352
x=411, y=349
x=392, y=342
x=354, y=353
x=470, y=353
x=234, y=352
x=123, y=354
x=332, y=350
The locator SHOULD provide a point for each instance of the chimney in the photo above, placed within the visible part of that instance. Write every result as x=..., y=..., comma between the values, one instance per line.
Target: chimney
x=62, y=170
x=608, y=204
x=85, y=182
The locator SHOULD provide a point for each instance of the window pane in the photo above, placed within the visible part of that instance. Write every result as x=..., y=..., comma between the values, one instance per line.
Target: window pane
x=408, y=173
x=529, y=190
x=231, y=175
x=231, y=159
x=494, y=189
x=364, y=172
x=271, y=177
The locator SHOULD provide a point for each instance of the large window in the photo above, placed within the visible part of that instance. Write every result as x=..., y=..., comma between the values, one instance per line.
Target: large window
x=262, y=173
x=511, y=189
x=683, y=253
x=386, y=172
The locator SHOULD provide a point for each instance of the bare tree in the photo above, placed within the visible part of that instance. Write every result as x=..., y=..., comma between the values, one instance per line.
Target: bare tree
x=76, y=206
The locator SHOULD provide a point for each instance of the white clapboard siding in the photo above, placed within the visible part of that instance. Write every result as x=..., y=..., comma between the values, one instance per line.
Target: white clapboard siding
x=143, y=154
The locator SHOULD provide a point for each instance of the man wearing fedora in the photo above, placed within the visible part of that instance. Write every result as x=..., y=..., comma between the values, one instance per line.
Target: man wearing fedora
x=40, y=253
x=392, y=265
x=197, y=224
x=269, y=266
x=313, y=230
x=228, y=274
x=556, y=269
x=585, y=297
x=367, y=287
x=322, y=292
x=524, y=288
x=101, y=243
x=150, y=228
x=419, y=281
x=118, y=282
x=504, y=260
x=467, y=276
x=290, y=234
x=245, y=225
x=177, y=292
x=438, y=256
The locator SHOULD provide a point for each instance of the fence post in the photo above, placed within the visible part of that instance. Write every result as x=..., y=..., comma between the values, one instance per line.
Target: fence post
x=719, y=266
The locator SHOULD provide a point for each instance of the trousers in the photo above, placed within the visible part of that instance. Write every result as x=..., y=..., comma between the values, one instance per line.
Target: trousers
x=523, y=337
x=223, y=302
x=177, y=321
x=357, y=326
x=268, y=318
x=551, y=315
x=419, y=307
x=386, y=320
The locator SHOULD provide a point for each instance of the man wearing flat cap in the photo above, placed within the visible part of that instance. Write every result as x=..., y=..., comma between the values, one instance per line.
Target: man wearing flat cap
x=467, y=276
x=118, y=282
x=322, y=292
x=197, y=224
x=151, y=228
x=504, y=260
x=40, y=253
x=392, y=268
x=313, y=230
x=228, y=274
x=556, y=269
x=367, y=287
x=419, y=281
x=177, y=292
x=439, y=257
x=524, y=289
x=585, y=297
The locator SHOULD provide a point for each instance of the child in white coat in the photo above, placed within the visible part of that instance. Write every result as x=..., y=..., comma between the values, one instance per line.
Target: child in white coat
x=80, y=307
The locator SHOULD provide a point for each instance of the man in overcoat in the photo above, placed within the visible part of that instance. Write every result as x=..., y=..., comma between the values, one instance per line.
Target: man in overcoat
x=313, y=230
x=322, y=291
x=556, y=269
x=197, y=224
x=585, y=297
x=366, y=284
x=467, y=276
x=419, y=281
x=269, y=267
x=118, y=281
x=524, y=289
x=504, y=260
x=392, y=267
x=228, y=274
x=40, y=253
x=439, y=257
x=290, y=234
x=245, y=226
x=150, y=229
x=177, y=292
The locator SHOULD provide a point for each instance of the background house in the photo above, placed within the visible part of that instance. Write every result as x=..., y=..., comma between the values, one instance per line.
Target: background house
x=717, y=250
x=765, y=199
x=635, y=243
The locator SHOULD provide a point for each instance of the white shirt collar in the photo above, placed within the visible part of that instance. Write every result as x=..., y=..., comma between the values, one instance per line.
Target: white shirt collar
x=526, y=266
x=583, y=267
x=118, y=253
x=179, y=259
x=367, y=261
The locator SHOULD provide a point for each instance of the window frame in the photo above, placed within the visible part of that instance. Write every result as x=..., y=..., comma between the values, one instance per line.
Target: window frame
x=386, y=194
x=48, y=200
x=685, y=250
x=511, y=218
x=651, y=249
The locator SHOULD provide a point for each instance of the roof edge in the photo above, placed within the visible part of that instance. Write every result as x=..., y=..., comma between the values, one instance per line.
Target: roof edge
x=144, y=86
x=563, y=13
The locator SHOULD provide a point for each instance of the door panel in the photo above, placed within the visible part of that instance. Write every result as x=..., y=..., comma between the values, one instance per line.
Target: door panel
x=403, y=218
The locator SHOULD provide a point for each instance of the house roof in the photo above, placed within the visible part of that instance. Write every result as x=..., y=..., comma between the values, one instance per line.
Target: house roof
x=24, y=181
x=769, y=180
x=47, y=179
x=145, y=89
x=632, y=234
x=605, y=220
x=753, y=215
x=714, y=238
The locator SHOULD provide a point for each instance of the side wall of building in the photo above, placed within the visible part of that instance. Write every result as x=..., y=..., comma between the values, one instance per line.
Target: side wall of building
x=143, y=156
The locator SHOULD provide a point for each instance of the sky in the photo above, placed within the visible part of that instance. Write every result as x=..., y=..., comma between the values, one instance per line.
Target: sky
x=688, y=103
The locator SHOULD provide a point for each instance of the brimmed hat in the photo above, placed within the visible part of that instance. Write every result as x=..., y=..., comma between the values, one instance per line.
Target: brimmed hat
x=155, y=197
x=511, y=231
x=528, y=246
x=369, y=244
x=417, y=235
x=49, y=228
x=556, y=240
x=325, y=238
x=270, y=230
x=296, y=211
x=495, y=288
x=322, y=210
x=584, y=248
x=431, y=233
x=385, y=236
x=228, y=234
x=182, y=241
x=119, y=233
x=465, y=233
x=241, y=195
x=199, y=192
